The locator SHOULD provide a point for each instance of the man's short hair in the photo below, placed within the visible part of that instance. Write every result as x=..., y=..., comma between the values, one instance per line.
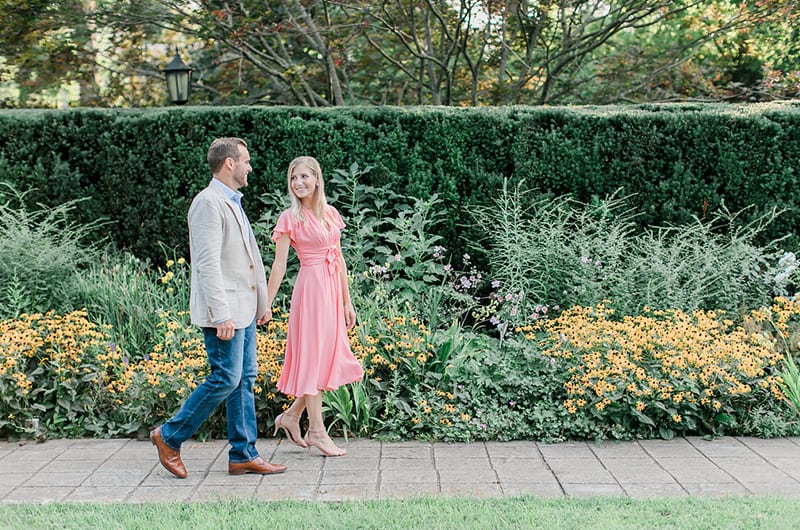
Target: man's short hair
x=222, y=149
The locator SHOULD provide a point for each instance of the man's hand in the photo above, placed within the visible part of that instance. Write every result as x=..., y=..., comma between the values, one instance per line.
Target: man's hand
x=225, y=330
x=266, y=318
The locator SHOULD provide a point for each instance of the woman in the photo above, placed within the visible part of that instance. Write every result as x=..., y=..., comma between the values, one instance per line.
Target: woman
x=318, y=355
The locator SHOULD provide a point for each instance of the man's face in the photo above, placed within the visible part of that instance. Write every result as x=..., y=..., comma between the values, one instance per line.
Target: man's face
x=241, y=168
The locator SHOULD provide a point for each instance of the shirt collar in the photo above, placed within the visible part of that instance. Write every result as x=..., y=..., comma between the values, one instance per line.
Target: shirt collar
x=235, y=196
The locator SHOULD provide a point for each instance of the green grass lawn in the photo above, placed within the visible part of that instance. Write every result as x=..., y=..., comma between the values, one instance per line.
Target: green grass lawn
x=521, y=512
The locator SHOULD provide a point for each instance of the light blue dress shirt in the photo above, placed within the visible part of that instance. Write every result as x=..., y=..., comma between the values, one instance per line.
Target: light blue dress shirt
x=235, y=197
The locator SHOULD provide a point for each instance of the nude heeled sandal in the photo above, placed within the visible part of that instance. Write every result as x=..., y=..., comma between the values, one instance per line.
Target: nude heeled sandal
x=297, y=438
x=330, y=450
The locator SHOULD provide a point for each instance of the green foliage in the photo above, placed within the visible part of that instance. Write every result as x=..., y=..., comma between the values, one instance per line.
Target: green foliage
x=392, y=255
x=129, y=295
x=51, y=376
x=670, y=160
x=709, y=265
x=43, y=252
x=765, y=421
x=790, y=381
x=367, y=209
x=442, y=357
x=405, y=274
x=351, y=409
x=507, y=391
x=547, y=252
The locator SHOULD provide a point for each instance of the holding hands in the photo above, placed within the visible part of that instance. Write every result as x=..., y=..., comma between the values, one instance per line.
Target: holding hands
x=265, y=318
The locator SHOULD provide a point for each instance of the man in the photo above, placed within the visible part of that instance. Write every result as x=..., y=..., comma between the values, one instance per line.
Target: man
x=228, y=300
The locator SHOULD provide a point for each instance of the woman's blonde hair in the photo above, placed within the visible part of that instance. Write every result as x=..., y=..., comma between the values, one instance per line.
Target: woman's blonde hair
x=320, y=203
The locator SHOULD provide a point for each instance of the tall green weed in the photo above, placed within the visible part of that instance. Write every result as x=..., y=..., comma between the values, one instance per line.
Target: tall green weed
x=129, y=295
x=42, y=254
x=555, y=252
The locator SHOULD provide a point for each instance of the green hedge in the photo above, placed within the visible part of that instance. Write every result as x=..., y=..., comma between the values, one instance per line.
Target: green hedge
x=140, y=168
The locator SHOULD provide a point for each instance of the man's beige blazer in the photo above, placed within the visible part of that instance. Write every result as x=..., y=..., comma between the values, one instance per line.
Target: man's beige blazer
x=228, y=278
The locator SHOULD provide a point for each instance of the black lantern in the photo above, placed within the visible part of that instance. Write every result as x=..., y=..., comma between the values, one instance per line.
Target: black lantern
x=179, y=80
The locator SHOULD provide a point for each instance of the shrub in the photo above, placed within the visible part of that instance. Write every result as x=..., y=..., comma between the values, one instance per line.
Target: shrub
x=149, y=391
x=508, y=391
x=51, y=374
x=660, y=373
x=41, y=254
x=548, y=252
x=129, y=295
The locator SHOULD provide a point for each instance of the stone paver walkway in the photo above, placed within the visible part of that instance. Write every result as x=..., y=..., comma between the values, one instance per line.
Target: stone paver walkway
x=89, y=470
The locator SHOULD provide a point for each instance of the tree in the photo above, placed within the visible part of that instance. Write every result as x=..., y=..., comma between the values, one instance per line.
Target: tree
x=713, y=51
x=47, y=46
x=277, y=52
x=524, y=51
x=440, y=52
x=426, y=41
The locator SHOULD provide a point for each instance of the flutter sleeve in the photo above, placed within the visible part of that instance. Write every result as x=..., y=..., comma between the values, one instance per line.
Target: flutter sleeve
x=335, y=218
x=284, y=225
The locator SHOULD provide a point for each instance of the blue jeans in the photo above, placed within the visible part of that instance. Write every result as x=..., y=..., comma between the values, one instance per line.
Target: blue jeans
x=234, y=367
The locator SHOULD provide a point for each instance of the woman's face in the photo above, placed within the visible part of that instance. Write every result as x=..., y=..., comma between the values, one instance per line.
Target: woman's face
x=303, y=182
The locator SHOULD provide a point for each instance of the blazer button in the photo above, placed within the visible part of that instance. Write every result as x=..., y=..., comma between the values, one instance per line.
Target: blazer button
x=252, y=266
x=252, y=287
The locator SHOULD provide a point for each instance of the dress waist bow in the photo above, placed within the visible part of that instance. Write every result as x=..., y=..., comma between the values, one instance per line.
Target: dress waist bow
x=326, y=256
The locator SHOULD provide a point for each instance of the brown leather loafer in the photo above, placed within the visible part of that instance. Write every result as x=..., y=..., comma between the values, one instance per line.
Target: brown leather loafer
x=258, y=466
x=169, y=457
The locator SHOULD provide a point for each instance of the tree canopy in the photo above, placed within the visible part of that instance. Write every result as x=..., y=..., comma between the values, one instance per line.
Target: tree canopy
x=401, y=52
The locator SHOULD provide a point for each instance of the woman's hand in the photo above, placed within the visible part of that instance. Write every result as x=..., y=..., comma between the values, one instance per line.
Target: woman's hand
x=265, y=318
x=349, y=315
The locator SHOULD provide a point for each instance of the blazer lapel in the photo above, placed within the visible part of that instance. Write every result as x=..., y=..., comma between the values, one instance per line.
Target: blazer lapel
x=244, y=224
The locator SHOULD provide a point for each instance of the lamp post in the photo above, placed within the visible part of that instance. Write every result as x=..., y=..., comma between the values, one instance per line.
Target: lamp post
x=179, y=80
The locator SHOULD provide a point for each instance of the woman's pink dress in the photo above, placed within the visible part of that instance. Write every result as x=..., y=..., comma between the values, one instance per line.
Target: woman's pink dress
x=318, y=355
